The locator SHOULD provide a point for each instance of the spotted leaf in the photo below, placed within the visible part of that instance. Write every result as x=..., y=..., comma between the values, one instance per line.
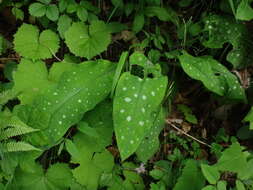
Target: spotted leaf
x=78, y=91
x=213, y=75
x=220, y=30
x=150, y=143
x=134, y=102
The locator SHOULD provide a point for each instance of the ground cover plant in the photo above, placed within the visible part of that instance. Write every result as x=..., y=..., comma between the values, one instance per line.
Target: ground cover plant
x=126, y=95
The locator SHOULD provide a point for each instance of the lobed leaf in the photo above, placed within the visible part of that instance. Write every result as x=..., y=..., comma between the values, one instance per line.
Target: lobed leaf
x=63, y=25
x=233, y=159
x=57, y=177
x=91, y=163
x=32, y=84
x=30, y=44
x=87, y=41
x=191, y=177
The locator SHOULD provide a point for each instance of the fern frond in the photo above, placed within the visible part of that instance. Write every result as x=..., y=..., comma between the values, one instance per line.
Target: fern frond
x=15, y=131
x=7, y=95
x=18, y=146
x=15, y=127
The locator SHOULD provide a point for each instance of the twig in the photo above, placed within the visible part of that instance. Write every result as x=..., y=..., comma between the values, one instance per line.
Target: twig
x=9, y=58
x=58, y=59
x=186, y=134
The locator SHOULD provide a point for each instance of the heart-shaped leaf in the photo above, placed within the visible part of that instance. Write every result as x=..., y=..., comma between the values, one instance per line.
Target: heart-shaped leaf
x=213, y=75
x=64, y=105
x=134, y=102
x=88, y=41
x=30, y=44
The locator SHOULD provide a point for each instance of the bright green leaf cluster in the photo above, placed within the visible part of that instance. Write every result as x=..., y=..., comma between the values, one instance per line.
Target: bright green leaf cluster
x=29, y=43
x=87, y=41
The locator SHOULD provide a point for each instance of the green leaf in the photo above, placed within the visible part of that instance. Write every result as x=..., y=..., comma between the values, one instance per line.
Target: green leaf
x=45, y=1
x=209, y=187
x=52, y=12
x=138, y=23
x=249, y=118
x=191, y=178
x=57, y=177
x=222, y=29
x=82, y=13
x=88, y=41
x=233, y=160
x=211, y=173
x=3, y=45
x=63, y=5
x=118, y=3
x=134, y=101
x=244, y=11
x=32, y=84
x=222, y=185
x=239, y=185
x=100, y=119
x=151, y=142
x=7, y=95
x=30, y=44
x=58, y=69
x=116, y=27
x=120, y=66
x=64, y=105
x=37, y=9
x=18, y=147
x=18, y=13
x=163, y=14
x=132, y=178
x=91, y=164
x=187, y=113
x=213, y=75
x=12, y=126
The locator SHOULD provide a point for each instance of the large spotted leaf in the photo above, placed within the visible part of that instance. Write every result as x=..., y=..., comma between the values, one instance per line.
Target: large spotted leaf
x=150, y=143
x=134, y=102
x=220, y=30
x=213, y=75
x=78, y=91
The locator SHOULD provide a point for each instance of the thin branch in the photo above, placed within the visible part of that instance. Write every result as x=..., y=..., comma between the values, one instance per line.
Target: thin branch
x=54, y=55
x=186, y=134
x=8, y=58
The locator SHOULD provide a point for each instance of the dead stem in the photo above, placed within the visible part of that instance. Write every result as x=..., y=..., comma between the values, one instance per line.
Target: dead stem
x=186, y=134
